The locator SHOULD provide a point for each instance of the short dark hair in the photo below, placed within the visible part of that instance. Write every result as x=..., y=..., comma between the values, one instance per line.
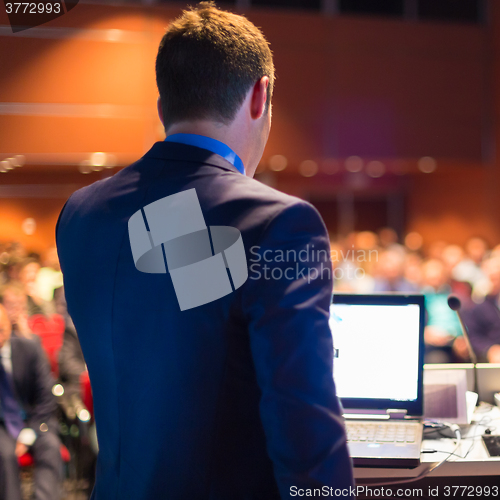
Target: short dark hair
x=207, y=62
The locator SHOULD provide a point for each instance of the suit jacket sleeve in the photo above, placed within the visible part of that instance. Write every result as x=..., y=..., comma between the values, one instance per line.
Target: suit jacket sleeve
x=287, y=307
x=59, y=219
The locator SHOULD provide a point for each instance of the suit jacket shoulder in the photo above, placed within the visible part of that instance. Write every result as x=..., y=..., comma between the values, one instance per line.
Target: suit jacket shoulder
x=159, y=162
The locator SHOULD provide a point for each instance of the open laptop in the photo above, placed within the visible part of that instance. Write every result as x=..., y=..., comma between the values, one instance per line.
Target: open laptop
x=378, y=371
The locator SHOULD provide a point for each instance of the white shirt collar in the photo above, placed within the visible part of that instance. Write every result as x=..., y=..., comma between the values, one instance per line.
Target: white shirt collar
x=6, y=350
x=6, y=356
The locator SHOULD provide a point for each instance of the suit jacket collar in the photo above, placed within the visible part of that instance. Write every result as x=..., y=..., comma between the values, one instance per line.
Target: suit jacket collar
x=174, y=151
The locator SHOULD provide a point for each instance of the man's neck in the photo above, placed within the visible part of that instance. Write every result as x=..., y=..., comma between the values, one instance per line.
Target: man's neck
x=220, y=132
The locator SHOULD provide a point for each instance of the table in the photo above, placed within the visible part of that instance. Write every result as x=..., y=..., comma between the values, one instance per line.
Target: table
x=464, y=475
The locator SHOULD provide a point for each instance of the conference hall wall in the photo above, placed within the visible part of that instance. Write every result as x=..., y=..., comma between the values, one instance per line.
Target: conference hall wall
x=390, y=117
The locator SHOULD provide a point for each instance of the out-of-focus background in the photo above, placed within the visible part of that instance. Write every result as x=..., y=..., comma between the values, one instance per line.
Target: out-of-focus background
x=385, y=117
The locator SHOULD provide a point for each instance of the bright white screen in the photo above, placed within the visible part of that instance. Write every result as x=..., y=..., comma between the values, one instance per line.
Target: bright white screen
x=377, y=348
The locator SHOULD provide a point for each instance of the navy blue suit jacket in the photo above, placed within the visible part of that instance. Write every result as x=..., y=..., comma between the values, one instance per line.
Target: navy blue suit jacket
x=230, y=400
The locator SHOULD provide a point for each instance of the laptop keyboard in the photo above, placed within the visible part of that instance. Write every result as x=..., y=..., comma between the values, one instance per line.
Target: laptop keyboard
x=382, y=432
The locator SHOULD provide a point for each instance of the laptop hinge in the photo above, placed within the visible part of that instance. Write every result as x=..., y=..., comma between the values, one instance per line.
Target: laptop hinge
x=396, y=414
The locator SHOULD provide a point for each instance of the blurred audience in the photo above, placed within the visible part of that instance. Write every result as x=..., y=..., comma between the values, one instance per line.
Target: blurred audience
x=27, y=416
x=34, y=312
x=363, y=262
x=367, y=262
x=390, y=272
x=483, y=319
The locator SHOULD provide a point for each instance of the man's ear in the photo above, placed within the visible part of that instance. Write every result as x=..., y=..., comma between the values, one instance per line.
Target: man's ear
x=259, y=98
x=160, y=110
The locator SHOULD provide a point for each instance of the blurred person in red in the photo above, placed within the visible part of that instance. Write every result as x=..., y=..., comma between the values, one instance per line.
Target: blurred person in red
x=27, y=420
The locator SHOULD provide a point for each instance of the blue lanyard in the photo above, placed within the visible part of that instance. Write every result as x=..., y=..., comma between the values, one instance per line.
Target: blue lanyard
x=213, y=145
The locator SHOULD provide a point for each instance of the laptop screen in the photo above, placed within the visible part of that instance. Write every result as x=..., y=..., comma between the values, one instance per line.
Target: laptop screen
x=378, y=341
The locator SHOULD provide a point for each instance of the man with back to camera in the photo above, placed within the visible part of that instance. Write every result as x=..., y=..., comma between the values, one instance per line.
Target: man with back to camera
x=208, y=382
